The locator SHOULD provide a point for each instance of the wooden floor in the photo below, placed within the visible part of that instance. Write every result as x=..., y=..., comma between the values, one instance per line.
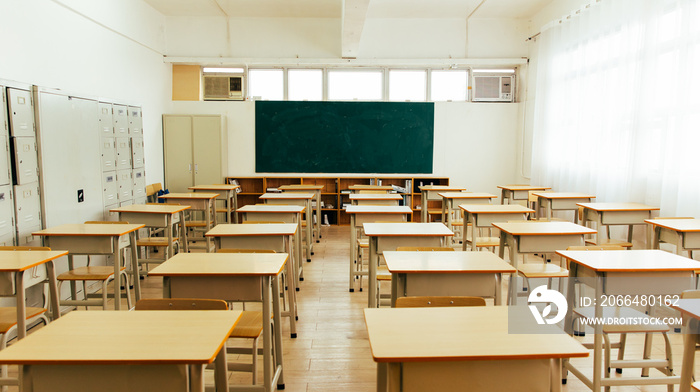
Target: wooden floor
x=331, y=352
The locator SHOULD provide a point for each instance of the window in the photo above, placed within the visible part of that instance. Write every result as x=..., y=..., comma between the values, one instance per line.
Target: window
x=268, y=84
x=305, y=85
x=407, y=85
x=448, y=85
x=346, y=85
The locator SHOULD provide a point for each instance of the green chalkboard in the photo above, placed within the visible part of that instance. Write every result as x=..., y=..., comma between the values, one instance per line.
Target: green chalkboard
x=343, y=137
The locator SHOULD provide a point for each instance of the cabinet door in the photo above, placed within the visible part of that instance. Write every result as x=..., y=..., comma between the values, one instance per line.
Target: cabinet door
x=21, y=112
x=109, y=154
x=126, y=185
x=206, y=139
x=110, y=190
x=105, y=119
x=139, y=178
x=135, y=121
x=27, y=207
x=7, y=214
x=120, y=120
x=4, y=158
x=26, y=164
x=137, y=152
x=177, y=145
x=123, y=153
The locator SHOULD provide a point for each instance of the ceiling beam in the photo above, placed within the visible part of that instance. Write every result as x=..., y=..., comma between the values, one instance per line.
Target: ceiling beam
x=353, y=21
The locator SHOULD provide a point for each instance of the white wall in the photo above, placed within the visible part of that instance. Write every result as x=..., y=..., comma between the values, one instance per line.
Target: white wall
x=474, y=143
x=110, y=48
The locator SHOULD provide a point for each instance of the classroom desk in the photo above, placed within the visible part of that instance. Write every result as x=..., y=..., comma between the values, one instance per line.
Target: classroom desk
x=316, y=189
x=536, y=237
x=389, y=236
x=606, y=214
x=647, y=272
x=272, y=236
x=446, y=274
x=158, y=216
x=560, y=201
x=458, y=348
x=234, y=277
x=97, y=239
x=359, y=215
x=227, y=193
x=431, y=193
x=279, y=213
x=518, y=192
x=205, y=202
x=17, y=262
x=123, y=351
x=484, y=215
x=688, y=308
x=684, y=233
x=375, y=199
x=451, y=201
x=363, y=187
x=299, y=199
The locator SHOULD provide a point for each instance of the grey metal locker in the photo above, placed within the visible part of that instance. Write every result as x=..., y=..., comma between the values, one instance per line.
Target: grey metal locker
x=111, y=216
x=137, y=160
x=109, y=154
x=5, y=175
x=125, y=184
x=26, y=164
x=126, y=203
x=110, y=190
x=120, y=120
x=123, y=149
x=25, y=237
x=141, y=200
x=105, y=119
x=27, y=207
x=139, y=178
x=135, y=121
x=21, y=112
x=7, y=216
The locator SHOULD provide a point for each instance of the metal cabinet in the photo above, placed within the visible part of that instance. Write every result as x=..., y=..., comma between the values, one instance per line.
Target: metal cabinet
x=5, y=176
x=109, y=154
x=120, y=120
x=137, y=160
x=25, y=156
x=105, y=119
x=139, y=179
x=135, y=121
x=7, y=216
x=123, y=150
x=27, y=206
x=125, y=183
x=21, y=112
x=110, y=190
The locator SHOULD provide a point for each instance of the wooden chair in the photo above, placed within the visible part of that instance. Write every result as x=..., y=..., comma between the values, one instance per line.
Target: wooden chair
x=101, y=273
x=8, y=318
x=249, y=326
x=371, y=192
x=152, y=192
x=426, y=302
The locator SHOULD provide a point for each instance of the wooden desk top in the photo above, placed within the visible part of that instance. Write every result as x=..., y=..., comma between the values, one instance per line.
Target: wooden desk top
x=446, y=188
x=680, y=225
x=89, y=230
x=22, y=260
x=217, y=264
x=646, y=260
x=301, y=187
x=138, y=337
x=617, y=206
x=542, y=228
x=375, y=196
x=495, y=208
x=412, y=229
x=378, y=210
x=466, y=195
x=523, y=187
x=459, y=334
x=151, y=209
x=272, y=208
x=689, y=307
x=445, y=262
x=193, y=195
x=288, y=196
x=364, y=187
x=261, y=229
x=215, y=187
x=563, y=195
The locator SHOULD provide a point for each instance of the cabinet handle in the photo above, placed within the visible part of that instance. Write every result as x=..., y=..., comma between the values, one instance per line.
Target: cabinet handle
x=189, y=167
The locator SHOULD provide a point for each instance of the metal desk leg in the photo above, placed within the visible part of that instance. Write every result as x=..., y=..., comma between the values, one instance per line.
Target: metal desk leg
x=598, y=336
x=373, y=262
x=309, y=232
x=21, y=305
x=135, y=265
x=353, y=250
x=278, y=367
x=183, y=233
x=292, y=296
x=221, y=370
x=196, y=378
x=117, y=276
x=53, y=290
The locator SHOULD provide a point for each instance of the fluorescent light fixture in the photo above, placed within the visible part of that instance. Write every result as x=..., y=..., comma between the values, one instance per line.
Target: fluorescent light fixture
x=502, y=70
x=222, y=70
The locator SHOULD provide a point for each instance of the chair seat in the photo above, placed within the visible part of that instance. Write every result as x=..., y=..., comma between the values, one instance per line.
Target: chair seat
x=623, y=312
x=363, y=243
x=198, y=224
x=222, y=210
x=100, y=272
x=383, y=273
x=8, y=317
x=623, y=244
x=541, y=270
x=249, y=325
x=487, y=241
x=154, y=241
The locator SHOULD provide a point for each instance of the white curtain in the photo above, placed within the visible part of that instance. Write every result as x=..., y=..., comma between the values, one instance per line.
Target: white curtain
x=617, y=104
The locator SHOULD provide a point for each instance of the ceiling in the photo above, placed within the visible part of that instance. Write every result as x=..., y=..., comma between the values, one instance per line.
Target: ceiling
x=353, y=13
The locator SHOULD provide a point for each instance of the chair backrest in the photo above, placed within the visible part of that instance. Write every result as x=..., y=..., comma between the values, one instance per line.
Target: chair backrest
x=24, y=248
x=424, y=249
x=226, y=250
x=152, y=189
x=423, y=302
x=180, y=304
x=368, y=192
x=106, y=223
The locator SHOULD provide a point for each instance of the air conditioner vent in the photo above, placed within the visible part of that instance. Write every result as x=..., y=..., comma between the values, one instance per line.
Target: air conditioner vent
x=493, y=88
x=217, y=87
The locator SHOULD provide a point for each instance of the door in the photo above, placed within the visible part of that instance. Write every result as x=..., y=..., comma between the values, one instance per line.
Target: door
x=105, y=119
x=21, y=112
x=177, y=146
x=206, y=142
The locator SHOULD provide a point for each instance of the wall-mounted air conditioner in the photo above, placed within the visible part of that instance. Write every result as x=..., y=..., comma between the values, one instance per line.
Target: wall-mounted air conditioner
x=220, y=87
x=493, y=88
